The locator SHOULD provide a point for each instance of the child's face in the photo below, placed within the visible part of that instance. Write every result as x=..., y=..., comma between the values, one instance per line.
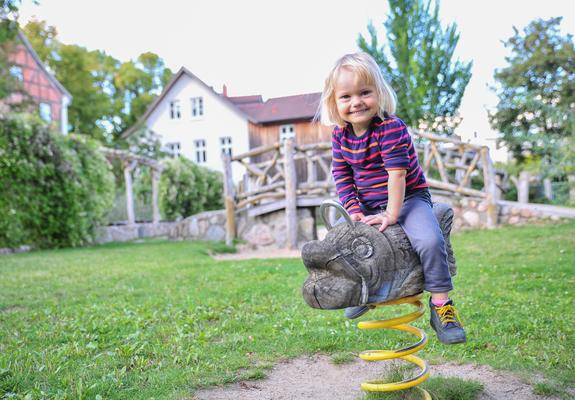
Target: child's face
x=356, y=101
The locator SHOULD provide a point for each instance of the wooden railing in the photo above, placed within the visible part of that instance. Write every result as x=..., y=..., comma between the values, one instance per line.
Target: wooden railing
x=291, y=172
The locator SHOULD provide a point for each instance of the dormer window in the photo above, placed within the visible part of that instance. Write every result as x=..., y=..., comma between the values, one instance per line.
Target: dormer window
x=175, y=109
x=197, y=104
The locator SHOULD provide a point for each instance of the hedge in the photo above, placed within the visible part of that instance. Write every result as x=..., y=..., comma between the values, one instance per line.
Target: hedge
x=55, y=190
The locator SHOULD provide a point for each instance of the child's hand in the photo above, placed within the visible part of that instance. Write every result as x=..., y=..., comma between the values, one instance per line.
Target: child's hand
x=357, y=217
x=384, y=219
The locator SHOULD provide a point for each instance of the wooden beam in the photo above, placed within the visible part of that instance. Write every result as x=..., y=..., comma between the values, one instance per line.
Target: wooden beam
x=489, y=187
x=290, y=195
x=229, y=202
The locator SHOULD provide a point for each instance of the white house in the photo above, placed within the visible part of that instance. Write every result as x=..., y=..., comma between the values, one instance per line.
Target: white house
x=193, y=120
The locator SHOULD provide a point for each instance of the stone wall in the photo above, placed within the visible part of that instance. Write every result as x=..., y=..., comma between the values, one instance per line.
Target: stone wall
x=209, y=225
x=470, y=213
x=271, y=229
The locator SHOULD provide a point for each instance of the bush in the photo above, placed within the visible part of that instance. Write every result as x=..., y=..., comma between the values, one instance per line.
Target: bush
x=54, y=189
x=187, y=189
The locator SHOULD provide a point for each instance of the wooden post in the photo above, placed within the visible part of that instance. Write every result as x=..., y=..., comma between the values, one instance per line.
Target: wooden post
x=523, y=187
x=128, y=167
x=291, y=196
x=156, y=172
x=229, y=200
x=489, y=187
x=571, y=180
x=548, y=189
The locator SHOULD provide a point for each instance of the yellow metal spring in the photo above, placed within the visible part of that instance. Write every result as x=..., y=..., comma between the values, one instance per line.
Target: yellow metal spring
x=406, y=353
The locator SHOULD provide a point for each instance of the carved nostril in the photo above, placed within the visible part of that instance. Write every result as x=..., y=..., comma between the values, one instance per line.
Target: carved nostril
x=362, y=247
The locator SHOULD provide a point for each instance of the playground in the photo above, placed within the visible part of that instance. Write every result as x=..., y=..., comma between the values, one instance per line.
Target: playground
x=164, y=320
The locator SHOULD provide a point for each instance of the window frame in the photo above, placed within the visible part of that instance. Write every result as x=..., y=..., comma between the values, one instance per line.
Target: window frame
x=226, y=145
x=175, y=109
x=283, y=136
x=197, y=107
x=200, y=148
x=41, y=110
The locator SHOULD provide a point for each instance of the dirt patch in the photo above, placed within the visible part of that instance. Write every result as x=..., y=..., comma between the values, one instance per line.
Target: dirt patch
x=316, y=377
x=247, y=253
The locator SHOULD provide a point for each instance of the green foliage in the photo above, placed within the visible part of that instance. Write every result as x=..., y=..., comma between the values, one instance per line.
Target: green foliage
x=536, y=109
x=440, y=388
x=109, y=95
x=161, y=319
x=55, y=190
x=187, y=189
x=8, y=29
x=419, y=64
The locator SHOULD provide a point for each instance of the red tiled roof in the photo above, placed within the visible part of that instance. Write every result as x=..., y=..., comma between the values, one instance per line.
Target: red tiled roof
x=277, y=109
x=246, y=99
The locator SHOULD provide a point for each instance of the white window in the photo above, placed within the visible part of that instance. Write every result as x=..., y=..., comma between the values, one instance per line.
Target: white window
x=197, y=106
x=16, y=72
x=226, y=145
x=45, y=112
x=175, y=109
x=173, y=149
x=200, y=146
x=286, y=132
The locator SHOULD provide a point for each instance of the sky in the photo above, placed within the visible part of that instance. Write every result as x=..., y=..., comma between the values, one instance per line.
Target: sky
x=281, y=48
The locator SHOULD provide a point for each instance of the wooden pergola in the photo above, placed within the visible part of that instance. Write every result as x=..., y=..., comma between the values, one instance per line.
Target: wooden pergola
x=129, y=162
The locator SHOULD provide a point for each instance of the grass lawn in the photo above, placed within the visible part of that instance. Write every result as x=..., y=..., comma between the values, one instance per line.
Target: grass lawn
x=160, y=319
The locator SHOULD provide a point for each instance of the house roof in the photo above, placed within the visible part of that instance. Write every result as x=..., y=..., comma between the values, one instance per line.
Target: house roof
x=51, y=77
x=298, y=107
x=182, y=72
x=253, y=108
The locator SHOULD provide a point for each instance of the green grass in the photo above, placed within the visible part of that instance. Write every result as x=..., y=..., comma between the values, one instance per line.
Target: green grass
x=160, y=319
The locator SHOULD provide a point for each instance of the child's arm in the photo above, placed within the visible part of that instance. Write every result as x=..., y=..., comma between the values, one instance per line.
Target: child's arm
x=395, y=195
x=344, y=182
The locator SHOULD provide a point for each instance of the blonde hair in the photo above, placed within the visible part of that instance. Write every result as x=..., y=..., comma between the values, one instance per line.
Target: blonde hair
x=366, y=69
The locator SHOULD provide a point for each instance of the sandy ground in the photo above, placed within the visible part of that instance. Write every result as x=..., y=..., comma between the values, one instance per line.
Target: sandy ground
x=317, y=378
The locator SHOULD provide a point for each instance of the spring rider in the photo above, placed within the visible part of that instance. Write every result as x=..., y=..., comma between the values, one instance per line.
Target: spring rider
x=358, y=265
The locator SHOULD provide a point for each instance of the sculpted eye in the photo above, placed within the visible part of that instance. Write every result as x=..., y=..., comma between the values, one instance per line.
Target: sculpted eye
x=362, y=247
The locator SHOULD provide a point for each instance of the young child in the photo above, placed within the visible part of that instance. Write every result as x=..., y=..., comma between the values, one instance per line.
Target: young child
x=378, y=177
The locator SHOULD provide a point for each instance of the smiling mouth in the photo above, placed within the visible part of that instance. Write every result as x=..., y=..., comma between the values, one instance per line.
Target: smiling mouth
x=359, y=111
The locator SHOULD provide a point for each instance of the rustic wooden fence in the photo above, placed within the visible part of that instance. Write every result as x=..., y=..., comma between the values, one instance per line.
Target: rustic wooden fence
x=273, y=184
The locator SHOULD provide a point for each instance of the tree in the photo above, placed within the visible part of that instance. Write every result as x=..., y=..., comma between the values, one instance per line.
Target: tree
x=419, y=65
x=8, y=29
x=109, y=96
x=536, y=109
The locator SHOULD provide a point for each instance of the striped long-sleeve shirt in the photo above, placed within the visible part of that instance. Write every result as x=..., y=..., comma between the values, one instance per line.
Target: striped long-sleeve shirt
x=360, y=164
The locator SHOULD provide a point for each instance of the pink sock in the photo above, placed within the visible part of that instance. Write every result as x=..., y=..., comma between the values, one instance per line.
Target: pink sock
x=439, y=303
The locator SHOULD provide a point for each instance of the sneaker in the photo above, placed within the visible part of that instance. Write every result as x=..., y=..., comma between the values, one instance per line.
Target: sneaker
x=355, y=312
x=446, y=323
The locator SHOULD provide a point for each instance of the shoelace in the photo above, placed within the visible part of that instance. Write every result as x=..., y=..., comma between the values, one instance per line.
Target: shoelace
x=448, y=314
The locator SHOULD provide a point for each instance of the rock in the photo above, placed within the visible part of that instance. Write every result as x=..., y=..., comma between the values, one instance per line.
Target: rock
x=216, y=233
x=482, y=207
x=525, y=213
x=260, y=235
x=514, y=220
x=471, y=218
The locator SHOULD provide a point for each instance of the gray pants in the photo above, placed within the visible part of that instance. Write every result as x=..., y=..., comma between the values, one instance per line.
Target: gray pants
x=421, y=227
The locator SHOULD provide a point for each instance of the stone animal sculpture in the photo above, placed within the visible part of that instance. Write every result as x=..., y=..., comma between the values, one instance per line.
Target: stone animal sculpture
x=356, y=264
